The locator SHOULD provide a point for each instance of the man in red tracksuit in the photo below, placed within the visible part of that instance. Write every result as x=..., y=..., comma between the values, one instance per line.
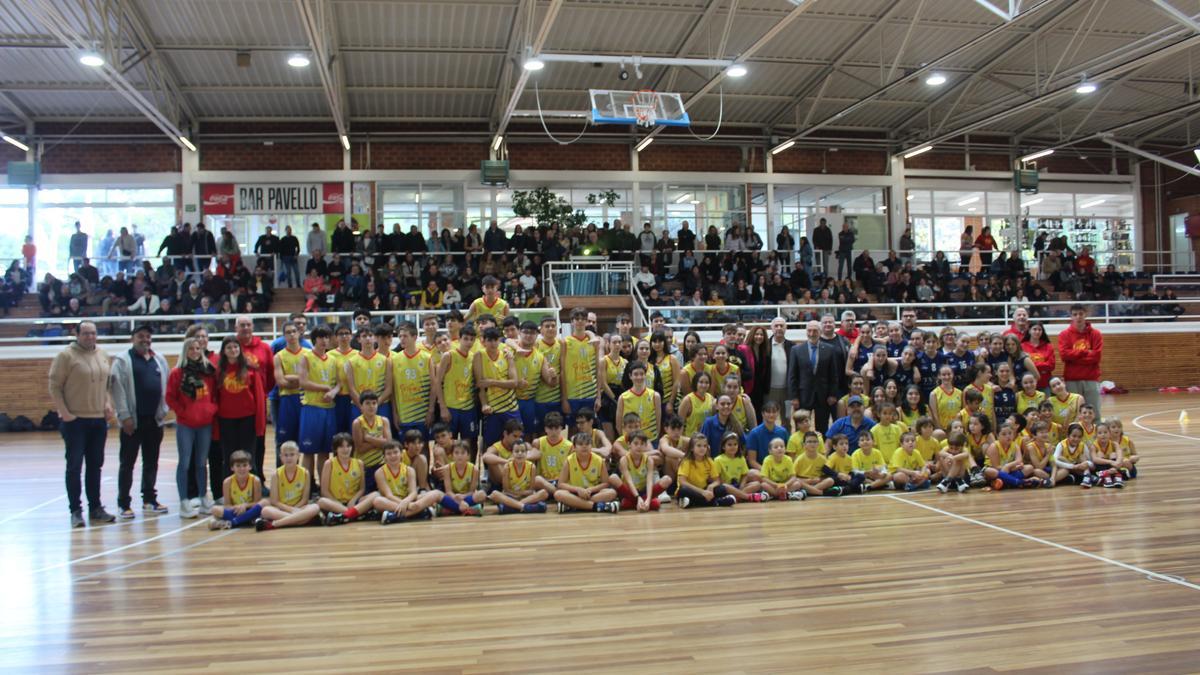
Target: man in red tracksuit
x=1080, y=346
x=260, y=358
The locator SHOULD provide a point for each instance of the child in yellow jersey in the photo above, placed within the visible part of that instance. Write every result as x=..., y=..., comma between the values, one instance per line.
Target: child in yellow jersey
x=1064, y=404
x=288, y=504
x=583, y=483
x=639, y=486
x=1107, y=458
x=399, y=497
x=868, y=461
x=287, y=420
x=908, y=468
x=548, y=395
x=498, y=454
x=1046, y=414
x=580, y=362
x=979, y=439
x=840, y=467
x=672, y=446
x=413, y=445
x=491, y=302
x=887, y=432
x=1038, y=453
x=241, y=495
x=630, y=423
x=743, y=409
x=955, y=461
x=614, y=366
x=972, y=405
x=1087, y=420
x=370, y=432
x=779, y=474
x=517, y=493
x=1129, y=455
x=809, y=467
x=585, y=422
x=945, y=401
x=496, y=379
x=801, y=425
x=343, y=481
x=721, y=367
x=533, y=370
x=699, y=479
x=553, y=450
x=318, y=378
x=460, y=482
x=1004, y=465
x=697, y=405
x=643, y=402
x=370, y=370
x=456, y=388
x=736, y=475
x=930, y=448
x=1029, y=396
x=341, y=353
x=1072, y=463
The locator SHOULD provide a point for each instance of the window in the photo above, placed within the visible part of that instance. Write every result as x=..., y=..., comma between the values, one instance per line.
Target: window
x=14, y=222
x=148, y=213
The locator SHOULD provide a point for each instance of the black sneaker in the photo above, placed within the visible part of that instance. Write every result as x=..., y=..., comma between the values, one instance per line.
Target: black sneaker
x=387, y=518
x=99, y=515
x=727, y=500
x=260, y=524
x=835, y=491
x=335, y=519
x=77, y=519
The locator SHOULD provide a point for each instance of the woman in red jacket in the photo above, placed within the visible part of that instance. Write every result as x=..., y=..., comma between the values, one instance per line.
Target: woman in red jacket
x=190, y=388
x=240, y=417
x=1041, y=351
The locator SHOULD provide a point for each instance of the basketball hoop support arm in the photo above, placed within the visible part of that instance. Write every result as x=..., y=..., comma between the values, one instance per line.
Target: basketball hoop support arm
x=644, y=60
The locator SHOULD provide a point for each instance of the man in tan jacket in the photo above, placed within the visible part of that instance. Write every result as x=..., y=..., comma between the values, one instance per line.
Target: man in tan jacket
x=79, y=387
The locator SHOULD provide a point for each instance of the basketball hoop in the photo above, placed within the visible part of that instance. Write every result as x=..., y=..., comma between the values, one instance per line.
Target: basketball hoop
x=644, y=101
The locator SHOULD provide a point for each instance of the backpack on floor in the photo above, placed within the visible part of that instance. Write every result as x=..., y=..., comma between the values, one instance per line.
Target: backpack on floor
x=50, y=421
x=21, y=423
x=5, y=423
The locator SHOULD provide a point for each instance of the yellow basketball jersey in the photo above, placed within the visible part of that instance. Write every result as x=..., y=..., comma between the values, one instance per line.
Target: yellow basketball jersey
x=321, y=370
x=242, y=493
x=585, y=476
x=498, y=309
x=1024, y=401
x=1089, y=435
x=501, y=449
x=341, y=358
x=554, y=456
x=666, y=372
x=948, y=405
x=460, y=481
x=718, y=376
x=345, y=480
x=778, y=469
x=701, y=409
x=1069, y=454
x=732, y=468
x=412, y=385
x=397, y=482
x=688, y=373
x=1035, y=452
x=1107, y=451
x=1066, y=411
x=887, y=437
x=291, y=491
x=374, y=455
x=529, y=372
x=643, y=405
x=552, y=353
x=988, y=407
x=458, y=382
x=579, y=367
x=520, y=478
x=739, y=412
x=289, y=361
x=1005, y=454
x=502, y=400
x=614, y=370
x=638, y=472
x=369, y=373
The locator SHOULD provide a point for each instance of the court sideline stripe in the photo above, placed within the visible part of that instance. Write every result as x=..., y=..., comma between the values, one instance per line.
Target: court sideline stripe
x=110, y=551
x=1137, y=422
x=1155, y=576
x=154, y=557
x=48, y=502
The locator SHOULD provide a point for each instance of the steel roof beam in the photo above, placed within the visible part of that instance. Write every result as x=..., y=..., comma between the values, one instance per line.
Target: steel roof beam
x=321, y=27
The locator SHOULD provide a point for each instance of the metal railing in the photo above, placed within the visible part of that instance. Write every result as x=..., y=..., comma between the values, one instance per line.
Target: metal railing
x=589, y=276
x=1175, y=280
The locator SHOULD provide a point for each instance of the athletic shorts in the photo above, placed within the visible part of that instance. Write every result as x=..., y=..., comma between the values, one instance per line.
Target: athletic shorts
x=529, y=417
x=287, y=421
x=341, y=414
x=317, y=428
x=419, y=426
x=544, y=409
x=369, y=478
x=578, y=404
x=464, y=424
x=385, y=410
x=493, y=426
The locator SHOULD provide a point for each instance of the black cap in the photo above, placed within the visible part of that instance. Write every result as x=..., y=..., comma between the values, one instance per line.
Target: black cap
x=142, y=327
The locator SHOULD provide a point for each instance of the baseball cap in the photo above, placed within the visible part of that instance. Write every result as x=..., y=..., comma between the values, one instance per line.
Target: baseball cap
x=854, y=399
x=142, y=327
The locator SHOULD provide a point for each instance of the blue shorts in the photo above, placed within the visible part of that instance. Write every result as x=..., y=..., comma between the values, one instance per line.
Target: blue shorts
x=544, y=409
x=530, y=418
x=316, y=429
x=385, y=410
x=287, y=419
x=578, y=404
x=341, y=414
x=464, y=424
x=369, y=478
x=493, y=426
x=419, y=426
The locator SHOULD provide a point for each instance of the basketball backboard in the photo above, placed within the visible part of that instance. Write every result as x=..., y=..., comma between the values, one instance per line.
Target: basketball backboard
x=645, y=108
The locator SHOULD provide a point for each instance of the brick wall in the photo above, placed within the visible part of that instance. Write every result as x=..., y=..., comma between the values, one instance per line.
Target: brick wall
x=723, y=158
x=417, y=155
x=849, y=162
x=279, y=156
x=577, y=156
x=953, y=161
x=9, y=153
x=111, y=158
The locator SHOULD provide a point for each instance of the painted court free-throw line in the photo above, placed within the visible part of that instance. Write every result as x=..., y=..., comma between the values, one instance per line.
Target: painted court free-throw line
x=1154, y=576
x=110, y=551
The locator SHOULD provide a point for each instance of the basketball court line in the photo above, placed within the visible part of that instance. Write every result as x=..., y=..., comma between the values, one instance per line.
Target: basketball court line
x=118, y=549
x=164, y=554
x=45, y=503
x=1153, y=576
x=1137, y=422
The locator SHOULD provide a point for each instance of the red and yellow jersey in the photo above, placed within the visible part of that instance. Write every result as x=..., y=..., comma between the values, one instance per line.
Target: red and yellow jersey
x=554, y=456
x=397, y=482
x=551, y=353
x=496, y=368
x=585, y=474
x=289, y=362
x=242, y=493
x=291, y=490
x=461, y=479
x=529, y=372
x=520, y=476
x=345, y=480
x=321, y=370
x=638, y=472
x=412, y=385
x=579, y=367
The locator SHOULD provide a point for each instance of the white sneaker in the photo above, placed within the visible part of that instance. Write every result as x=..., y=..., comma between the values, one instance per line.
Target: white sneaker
x=683, y=502
x=187, y=509
x=206, y=503
x=664, y=498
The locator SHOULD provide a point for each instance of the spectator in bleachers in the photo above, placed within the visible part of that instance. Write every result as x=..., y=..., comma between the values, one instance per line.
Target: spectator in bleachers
x=316, y=241
x=204, y=246
x=289, y=251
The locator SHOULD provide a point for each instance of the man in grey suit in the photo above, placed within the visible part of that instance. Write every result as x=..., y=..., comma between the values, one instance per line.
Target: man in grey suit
x=812, y=376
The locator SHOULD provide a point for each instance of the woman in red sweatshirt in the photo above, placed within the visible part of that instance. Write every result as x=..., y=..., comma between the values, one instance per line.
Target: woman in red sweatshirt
x=190, y=388
x=1041, y=350
x=240, y=417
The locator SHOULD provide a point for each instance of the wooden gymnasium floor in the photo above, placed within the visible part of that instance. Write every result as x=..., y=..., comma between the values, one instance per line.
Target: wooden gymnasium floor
x=1066, y=579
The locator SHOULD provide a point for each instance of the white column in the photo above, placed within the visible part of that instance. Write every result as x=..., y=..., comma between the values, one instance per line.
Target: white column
x=896, y=208
x=347, y=198
x=769, y=165
x=191, y=188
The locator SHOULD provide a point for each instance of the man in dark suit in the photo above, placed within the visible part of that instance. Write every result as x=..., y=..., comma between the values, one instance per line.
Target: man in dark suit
x=812, y=376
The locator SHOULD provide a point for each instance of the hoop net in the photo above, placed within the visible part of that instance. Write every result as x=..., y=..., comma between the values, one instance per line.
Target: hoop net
x=644, y=102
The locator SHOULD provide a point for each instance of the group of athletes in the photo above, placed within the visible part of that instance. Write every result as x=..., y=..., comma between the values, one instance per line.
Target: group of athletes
x=454, y=420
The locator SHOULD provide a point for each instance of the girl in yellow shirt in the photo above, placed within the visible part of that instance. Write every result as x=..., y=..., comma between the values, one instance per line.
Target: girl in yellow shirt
x=699, y=479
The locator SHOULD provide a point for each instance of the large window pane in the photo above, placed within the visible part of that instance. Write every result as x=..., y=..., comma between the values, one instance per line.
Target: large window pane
x=14, y=223
x=148, y=213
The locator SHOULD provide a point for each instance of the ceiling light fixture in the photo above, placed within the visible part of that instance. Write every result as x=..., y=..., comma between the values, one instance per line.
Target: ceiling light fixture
x=1037, y=155
x=1086, y=88
x=91, y=59
x=1094, y=202
x=534, y=64
x=345, y=141
x=643, y=144
x=969, y=200
x=972, y=209
x=187, y=143
x=684, y=198
x=935, y=79
x=782, y=146
x=736, y=70
x=496, y=143
x=694, y=202
x=12, y=141
x=1032, y=202
x=908, y=198
x=1196, y=152
x=918, y=151
x=298, y=61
